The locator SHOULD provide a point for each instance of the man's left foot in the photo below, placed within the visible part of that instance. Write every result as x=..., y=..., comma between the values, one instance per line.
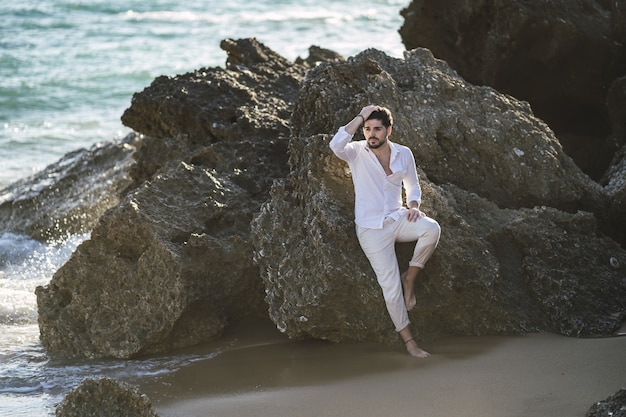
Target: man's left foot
x=415, y=350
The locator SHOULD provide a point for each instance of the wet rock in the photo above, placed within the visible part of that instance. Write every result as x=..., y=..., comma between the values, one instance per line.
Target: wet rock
x=105, y=397
x=559, y=55
x=69, y=196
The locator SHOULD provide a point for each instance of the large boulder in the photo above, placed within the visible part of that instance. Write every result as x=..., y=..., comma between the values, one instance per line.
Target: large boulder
x=483, y=141
x=171, y=265
x=501, y=266
x=559, y=55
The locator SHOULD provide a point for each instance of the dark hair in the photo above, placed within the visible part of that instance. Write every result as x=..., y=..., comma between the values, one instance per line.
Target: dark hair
x=383, y=114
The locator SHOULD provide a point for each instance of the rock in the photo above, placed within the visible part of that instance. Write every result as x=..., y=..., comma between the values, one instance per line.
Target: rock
x=559, y=55
x=497, y=269
x=318, y=55
x=248, y=98
x=483, y=141
x=69, y=196
x=613, y=406
x=171, y=265
x=105, y=397
x=237, y=207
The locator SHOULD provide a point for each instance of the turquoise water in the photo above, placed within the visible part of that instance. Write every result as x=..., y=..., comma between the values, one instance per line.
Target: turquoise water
x=68, y=70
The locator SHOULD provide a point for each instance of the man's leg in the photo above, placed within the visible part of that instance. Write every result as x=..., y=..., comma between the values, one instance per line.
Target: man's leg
x=379, y=247
x=426, y=232
x=411, y=345
x=408, y=286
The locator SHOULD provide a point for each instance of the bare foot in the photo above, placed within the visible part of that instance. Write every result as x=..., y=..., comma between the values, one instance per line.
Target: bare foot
x=409, y=292
x=415, y=350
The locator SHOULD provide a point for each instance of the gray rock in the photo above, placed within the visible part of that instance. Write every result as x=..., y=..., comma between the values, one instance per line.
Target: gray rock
x=474, y=137
x=559, y=55
x=69, y=196
x=105, y=397
x=171, y=265
x=497, y=270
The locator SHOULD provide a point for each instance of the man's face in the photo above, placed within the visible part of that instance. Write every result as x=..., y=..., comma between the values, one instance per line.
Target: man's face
x=375, y=133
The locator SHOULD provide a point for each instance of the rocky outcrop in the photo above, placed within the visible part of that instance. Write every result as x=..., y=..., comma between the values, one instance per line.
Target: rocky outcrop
x=171, y=265
x=105, y=398
x=500, y=267
x=69, y=196
x=559, y=55
x=237, y=206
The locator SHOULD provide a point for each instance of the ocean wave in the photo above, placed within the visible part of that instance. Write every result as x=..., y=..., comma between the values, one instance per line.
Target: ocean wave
x=245, y=16
x=25, y=264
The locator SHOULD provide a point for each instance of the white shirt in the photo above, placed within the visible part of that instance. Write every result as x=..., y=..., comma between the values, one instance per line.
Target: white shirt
x=378, y=195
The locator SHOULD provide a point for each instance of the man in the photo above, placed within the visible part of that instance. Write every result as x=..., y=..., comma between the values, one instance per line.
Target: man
x=380, y=169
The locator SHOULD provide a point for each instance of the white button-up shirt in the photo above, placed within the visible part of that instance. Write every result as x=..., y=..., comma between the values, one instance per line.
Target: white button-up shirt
x=377, y=195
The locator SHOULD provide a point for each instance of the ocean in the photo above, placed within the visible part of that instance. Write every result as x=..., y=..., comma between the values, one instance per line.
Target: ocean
x=68, y=70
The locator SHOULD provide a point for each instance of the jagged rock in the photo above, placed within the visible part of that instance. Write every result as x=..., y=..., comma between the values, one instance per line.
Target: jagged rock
x=474, y=137
x=105, y=397
x=248, y=98
x=613, y=406
x=497, y=270
x=192, y=246
x=559, y=55
x=69, y=196
x=171, y=265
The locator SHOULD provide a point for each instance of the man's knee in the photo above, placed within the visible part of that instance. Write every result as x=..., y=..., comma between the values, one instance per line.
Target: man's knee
x=434, y=230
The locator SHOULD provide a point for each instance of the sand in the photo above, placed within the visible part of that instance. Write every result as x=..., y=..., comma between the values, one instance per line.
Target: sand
x=259, y=372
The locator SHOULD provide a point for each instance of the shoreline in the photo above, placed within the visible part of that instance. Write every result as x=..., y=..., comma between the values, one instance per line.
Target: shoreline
x=262, y=373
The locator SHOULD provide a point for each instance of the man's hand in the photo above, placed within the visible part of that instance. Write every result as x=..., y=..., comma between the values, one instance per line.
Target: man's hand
x=414, y=214
x=354, y=125
x=367, y=111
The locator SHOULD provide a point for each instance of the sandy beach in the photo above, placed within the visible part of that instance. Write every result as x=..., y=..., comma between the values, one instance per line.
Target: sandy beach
x=259, y=372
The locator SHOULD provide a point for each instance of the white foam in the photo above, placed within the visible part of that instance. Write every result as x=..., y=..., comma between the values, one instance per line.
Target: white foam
x=25, y=264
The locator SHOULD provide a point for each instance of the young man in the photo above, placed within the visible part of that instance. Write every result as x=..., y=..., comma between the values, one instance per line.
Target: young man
x=380, y=169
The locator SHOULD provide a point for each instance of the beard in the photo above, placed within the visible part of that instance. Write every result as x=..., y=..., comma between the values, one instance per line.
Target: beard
x=378, y=145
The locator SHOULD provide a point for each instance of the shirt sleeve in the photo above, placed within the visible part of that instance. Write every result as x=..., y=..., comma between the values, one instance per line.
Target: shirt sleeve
x=411, y=181
x=340, y=145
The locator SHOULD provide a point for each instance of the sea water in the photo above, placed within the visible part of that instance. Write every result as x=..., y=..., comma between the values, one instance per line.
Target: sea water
x=68, y=70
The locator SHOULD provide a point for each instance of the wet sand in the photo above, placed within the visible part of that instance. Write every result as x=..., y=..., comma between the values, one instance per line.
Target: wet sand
x=261, y=373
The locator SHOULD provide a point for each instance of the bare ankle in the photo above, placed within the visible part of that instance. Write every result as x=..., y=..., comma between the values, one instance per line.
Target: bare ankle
x=414, y=350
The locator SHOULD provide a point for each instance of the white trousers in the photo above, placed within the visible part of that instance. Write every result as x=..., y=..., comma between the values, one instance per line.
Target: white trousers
x=379, y=247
